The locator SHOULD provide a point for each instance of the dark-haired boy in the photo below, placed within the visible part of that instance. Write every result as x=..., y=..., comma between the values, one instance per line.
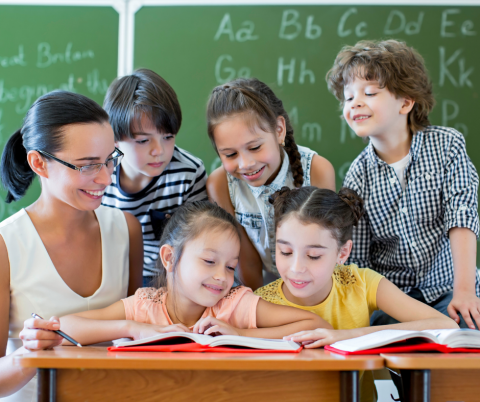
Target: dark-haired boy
x=418, y=183
x=155, y=176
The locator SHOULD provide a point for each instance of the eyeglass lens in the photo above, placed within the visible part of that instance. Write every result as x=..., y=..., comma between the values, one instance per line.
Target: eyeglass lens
x=93, y=169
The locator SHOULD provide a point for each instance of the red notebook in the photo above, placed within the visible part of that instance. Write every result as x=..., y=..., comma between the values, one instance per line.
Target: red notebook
x=189, y=342
x=400, y=341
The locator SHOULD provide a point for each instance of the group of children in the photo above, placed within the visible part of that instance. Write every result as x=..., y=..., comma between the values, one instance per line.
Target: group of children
x=396, y=245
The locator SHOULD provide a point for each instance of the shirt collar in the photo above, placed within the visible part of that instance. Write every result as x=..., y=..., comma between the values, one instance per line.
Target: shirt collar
x=279, y=181
x=414, y=149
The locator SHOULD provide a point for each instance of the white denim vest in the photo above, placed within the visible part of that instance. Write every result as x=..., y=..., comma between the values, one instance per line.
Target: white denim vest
x=255, y=213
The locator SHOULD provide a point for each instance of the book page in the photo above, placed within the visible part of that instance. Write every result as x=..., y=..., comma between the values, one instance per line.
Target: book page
x=457, y=338
x=442, y=334
x=380, y=338
x=256, y=343
x=198, y=338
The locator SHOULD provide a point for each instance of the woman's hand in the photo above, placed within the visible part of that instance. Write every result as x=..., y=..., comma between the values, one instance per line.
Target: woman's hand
x=212, y=326
x=320, y=337
x=37, y=334
x=140, y=330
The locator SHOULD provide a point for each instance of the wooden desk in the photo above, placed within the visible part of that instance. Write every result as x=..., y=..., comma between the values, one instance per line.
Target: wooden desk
x=69, y=374
x=438, y=377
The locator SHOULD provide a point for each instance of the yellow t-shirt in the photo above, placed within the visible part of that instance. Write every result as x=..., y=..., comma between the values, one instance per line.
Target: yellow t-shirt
x=351, y=301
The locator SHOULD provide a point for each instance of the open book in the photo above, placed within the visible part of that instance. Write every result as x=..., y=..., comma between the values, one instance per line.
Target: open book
x=400, y=341
x=190, y=342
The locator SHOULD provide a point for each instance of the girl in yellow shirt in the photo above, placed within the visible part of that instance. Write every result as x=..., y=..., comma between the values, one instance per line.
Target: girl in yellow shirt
x=313, y=240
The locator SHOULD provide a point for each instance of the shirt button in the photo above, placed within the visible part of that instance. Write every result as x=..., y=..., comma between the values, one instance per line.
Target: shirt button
x=427, y=176
x=393, y=180
x=414, y=244
x=404, y=210
x=463, y=208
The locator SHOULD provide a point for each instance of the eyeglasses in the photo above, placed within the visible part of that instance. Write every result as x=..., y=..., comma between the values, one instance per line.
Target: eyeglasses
x=88, y=170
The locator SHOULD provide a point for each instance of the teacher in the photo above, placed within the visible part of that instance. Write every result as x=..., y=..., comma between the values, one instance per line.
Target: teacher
x=64, y=253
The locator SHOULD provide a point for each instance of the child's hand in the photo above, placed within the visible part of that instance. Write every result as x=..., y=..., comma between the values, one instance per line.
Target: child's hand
x=140, y=330
x=37, y=334
x=212, y=326
x=319, y=337
x=468, y=305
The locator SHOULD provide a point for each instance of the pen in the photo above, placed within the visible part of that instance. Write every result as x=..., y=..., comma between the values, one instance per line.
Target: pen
x=62, y=334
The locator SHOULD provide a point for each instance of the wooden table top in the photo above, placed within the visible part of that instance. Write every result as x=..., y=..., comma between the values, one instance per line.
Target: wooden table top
x=94, y=357
x=432, y=361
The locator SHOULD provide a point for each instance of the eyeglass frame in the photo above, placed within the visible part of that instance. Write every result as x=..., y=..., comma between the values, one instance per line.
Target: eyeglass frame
x=79, y=168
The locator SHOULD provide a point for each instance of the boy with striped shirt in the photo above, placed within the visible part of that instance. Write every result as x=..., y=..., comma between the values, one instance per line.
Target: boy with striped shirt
x=419, y=185
x=155, y=176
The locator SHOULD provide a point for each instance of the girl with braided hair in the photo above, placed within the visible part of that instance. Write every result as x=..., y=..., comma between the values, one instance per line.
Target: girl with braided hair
x=313, y=240
x=253, y=136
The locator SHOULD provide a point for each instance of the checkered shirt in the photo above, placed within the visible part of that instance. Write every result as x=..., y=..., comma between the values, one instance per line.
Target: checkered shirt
x=404, y=234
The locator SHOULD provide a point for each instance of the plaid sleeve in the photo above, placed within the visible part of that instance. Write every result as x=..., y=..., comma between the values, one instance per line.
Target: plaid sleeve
x=460, y=188
x=198, y=191
x=360, y=254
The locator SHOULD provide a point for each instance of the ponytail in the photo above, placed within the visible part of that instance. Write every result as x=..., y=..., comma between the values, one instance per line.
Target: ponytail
x=15, y=172
x=43, y=130
x=335, y=212
x=353, y=200
x=294, y=157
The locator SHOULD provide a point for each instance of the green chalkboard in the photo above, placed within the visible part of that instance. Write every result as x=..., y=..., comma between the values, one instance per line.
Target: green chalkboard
x=291, y=48
x=43, y=48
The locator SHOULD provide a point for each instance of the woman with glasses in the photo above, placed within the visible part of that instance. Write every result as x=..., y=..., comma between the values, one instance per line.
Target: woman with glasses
x=64, y=253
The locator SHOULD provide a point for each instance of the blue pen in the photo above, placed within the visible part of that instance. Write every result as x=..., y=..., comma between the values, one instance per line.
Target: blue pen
x=62, y=334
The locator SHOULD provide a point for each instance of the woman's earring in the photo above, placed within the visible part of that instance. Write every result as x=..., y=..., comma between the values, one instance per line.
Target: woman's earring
x=283, y=143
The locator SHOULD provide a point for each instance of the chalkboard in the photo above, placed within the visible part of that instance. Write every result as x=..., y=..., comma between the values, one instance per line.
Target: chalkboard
x=52, y=47
x=291, y=48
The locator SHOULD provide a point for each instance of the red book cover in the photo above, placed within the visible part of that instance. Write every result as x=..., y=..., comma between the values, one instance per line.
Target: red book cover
x=195, y=347
x=405, y=348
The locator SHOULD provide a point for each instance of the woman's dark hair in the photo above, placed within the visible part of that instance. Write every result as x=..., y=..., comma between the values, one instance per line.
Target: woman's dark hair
x=143, y=93
x=335, y=212
x=255, y=99
x=187, y=223
x=43, y=130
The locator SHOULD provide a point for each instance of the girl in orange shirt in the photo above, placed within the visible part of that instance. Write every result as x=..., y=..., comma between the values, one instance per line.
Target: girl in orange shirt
x=199, y=251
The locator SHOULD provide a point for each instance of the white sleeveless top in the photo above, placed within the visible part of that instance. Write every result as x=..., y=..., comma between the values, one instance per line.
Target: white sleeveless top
x=255, y=213
x=36, y=286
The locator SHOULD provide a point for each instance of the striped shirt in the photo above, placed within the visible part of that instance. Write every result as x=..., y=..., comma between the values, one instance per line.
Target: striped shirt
x=183, y=180
x=404, y=233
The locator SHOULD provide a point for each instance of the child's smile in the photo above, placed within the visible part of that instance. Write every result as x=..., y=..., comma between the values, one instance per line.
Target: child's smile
x=371, y=110
x=255, y=175
x=215, y=289
x=306, y=257
x=298, y=284
x=248, y=153
x=205, y=272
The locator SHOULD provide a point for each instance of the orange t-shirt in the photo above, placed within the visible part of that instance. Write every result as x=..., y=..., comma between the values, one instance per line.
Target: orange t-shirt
x=238, y=308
